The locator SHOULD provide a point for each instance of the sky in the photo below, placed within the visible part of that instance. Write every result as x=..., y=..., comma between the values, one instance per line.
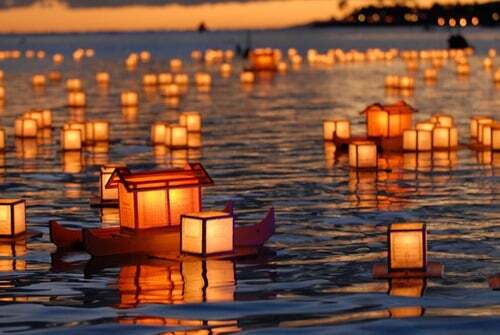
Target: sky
x=37, y=16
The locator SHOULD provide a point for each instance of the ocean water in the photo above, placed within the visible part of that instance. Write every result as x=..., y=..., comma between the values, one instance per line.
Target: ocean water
x=263, y=147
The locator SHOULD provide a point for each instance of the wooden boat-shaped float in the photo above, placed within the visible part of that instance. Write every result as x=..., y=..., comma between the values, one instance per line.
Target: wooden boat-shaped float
x=165, y=241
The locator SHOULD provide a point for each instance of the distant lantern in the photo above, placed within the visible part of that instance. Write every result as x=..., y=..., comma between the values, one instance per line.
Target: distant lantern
x=102, y=78
x=203, y=79
x=106, y=171
x=417, y=140
x=165, y=78
x=75, y=125
x=149, y=79
x=12, y=217
x=496, y=76
x=160, y=131
x=406, y=83
x=391, y=81
x=463, y=69
x=389, y=120
x=74, y=84
x=196, y=55
x=1, y=75
x=407, y=247
x=38, y=80
x=363, y=155
x=2, y=93
x=282, y=67
x=47, y=118
x=55, y=76
x=225, y=69
x=425, y=125
x=263, y=60
x=71, y=139
x=486, y=134
x=145, y=56
x=444, y=138
x=488, y=63
x=430, y=74
x=191, y=120
x=194, y=140
x=181, y=79
x=129, y=98
x=175, y=64
x=76, y=99
x=157, y=199
x=475, y=123
x=340, y=129
x=206, y=233
x=495, y=137
x=2, y=139
x=178, y=136
x=25, y=127
x=170, y=90
x=97, y=131
x=40, y=116
x=247, y=77
x=442, y=120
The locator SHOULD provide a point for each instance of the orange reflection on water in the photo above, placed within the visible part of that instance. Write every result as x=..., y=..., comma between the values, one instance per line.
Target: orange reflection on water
x=9, y=251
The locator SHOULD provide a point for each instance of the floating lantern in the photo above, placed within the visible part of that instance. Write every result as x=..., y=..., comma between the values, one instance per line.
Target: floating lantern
x=495, y=137
x=496, y=76
x=443, y=120
x=129, y=98
x=160, y=131
x=74, y=84
x=12, y=217
x=2, y=139
x=40, y=54
x=247, y=77
x=55, y=76
x=71, y=139
x=430, y=74
x=444, y=138
x=336, y=129
x=181, y=79
x=102, y=78
x=97, y=131
x=206, y=233
x=225, y=69
x=38, y=80
x=463, y=69
x=76, y=99
x=263, y=60
x=165, y=78
x=57, y=58
x=36, y=115
x=191, y=120
x=145, y=56
x=25, y=127
x=282, y=67
x=75, y=125
x=417, y=140
x=1, y=75
x=228, y=55
x=157, y=199
x=407, y=247
x=475, y=123
x=106, y=171
x=488, y=63
x=388, y=121
x=175, y=64
x=203, y=79
x=391, y=81
x=196, y=55
x=131, y=62
x=149, y=79
x=363, y=155
x=178, y=137
x=194, y=141
x=170, y=90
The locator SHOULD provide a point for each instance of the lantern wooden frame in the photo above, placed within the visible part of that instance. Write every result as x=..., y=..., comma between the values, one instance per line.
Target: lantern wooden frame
x=14, y=229
x=475, y=121
x=192, y=121
x=420, y=137
x=452, y=134
x=97, y=131
x=65, y=146
x=105, y=174
x=21, y=125
x=388, y=121
x=355, y=145
x=395, y=229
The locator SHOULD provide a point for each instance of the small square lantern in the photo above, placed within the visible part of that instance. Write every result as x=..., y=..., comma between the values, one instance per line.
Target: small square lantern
x=336, y=129
x=74, y=85
x=191, y=120
x=263, y=60
x=388, y=121
x=25, y=127
x=203, y=79
x=76, y=99
x=129, y=98
x=165, y=78
x=444, y=138
x=480, y=128
x=417, y=140
x=407, y=247
x=71, y=139
x=38, y=80
x=2, y=93
x=363, y=155
x=442, y=120
x=160, y=132
x=55, y=76
x=425, y=125
x=170, y=90
x=225, y=70
x=178, y=137
x=181, y=79
x=175, y=64
x=206, y=233
x=2, y=139
x=81, y=126
x=475, y=121
x=97, y=131
x=102, y=78
x=149, y=79
x=108, y=194
x=247, y=77
x=12, y=217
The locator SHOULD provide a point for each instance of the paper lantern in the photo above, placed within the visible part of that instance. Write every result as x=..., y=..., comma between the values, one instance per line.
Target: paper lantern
x=263, y=60
x=206, y=233
x=178, y=137
x=388, y=121
x=1, y=75
x=495, y=137
x=496, y=76
x=296, y=60
x=75, y=125
x=425, y=125
x=145, y=56
x=444, y=138
x=487, y=63
x=391, y=81
x=430, y=74
x=38, y=80
x=12, y=217
x=336, y=129
x=282, y=67
x=71, y=139
x=363, y=155
x=247, y=77
x=203, y=79
x=157, y=199
x=76, y=99
x=165, y=78
x=442, y=120
x=228, y=55
x=102, y=78
x=74, y=85
x=55, y=76
x=36, y=115
x=149, y=79
x=170, y=90
x=97, y=131
x=191, y=120
x=129, y=98
x=196, y=55
x=417, y=140
x=106, y=171
x=181, y=79
x=25, y=127
x=475, y=121
x=406, y=83
x=2, y=139
x=463, y=69
x=160, y=131
x=225, y=70
x=407, y=247
x=175, y=64
x=194, y=141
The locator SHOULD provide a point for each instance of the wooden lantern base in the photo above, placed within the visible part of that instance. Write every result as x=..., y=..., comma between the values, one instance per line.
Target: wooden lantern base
x=494, y=282
x=434, y=270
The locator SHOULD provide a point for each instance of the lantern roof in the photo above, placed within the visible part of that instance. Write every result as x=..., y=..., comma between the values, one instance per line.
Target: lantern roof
x=400, y=107
x=193, y=174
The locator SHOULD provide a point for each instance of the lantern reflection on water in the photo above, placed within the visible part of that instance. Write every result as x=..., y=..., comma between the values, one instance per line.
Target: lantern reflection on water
x=9, y=256
x=2, y=94
x=106, y=171
x=2, y=139
x=407, y=248
x=12, y=217
x=72, y=161
x=363, y=155
x=407, y=287
x=55, y=76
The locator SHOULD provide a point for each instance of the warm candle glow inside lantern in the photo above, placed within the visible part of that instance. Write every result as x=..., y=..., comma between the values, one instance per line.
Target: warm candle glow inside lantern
x=282, y=67
x=362, y=155
x=203, y=79
x=78, y=126
x=263, y=60
x=170, y=90
x=102, y=78
x=247, y=77
x=181, y=79
x=165, y=78
x=149, y=79
x=442, y=120
x=129, y=98
x=444, y=138
x=191, y=120
x=55, y=76
x=36, y=115
x=71, y=139
x=495, y=137
x=159, y=133
x=486, y=134
x=76, y=99
x=206, y=233
x=12, y=217
x=225, y=69
x=407, y=246
x=336, y=129
x=38, y=80
x=475, y=121
x=175, y=64
x=430, y=74
x=74, y=84
x=480, y=125
x=425, y=125
x=406, y=82
x=97, y=131
x=417, y=140
x=388, y=121
x=25, y=127
x=178, y=136
x=108, y=194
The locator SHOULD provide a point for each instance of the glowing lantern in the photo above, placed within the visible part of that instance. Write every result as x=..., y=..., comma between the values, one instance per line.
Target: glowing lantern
x=36, y=115
x=444, y=138
x=158, y=199
x=129, y=98
x=391, y=81
x=74, y=84
x=206, y=233
x=417, y=140
x=26, y=127
x=97, y=131
x=108, y=194
x=102, y=78
x=425, y=125
x=175, y=64
x=178, y=137
x=443, y=120
x=149, y=79
x=463, y=69
x=336, y=129
x=194, y=140
x=191, y=120
x=406, y=83
x=282, y=67
x=228, y=55
x=38, y=80
x=1, y=75
x=71, y=139
x=475, y=122
x=487, y=63
x=407, y=247
x=165, y=78
x=55, y=76
x=225, y=69
x=263, y=60
x=75, y=125
x=2, y=139
x=160, y=131
x=388, y=121
x=430, y=74
x=495, y=137
x=76, y=99
x=496, y=76
x=247, y=77
x=296, y=60
x=145, y=56
x=181, y=79
x=12, y=217
x=196, y=55
x=203, y=79
x=170, y=90
x=363, y=155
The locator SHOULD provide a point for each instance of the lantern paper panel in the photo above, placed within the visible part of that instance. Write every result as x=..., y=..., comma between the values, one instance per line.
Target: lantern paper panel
x=206, y=233
x=475, y=122
x=76, y=99
x=127, y=212
x=362, y=154
x=191, y=120
x=444, y=138
x=443, y=120
x=178, y=136
x=407, y=246
x=129, y=98
x=183, y=200
x=71, y=139
x=12, y=217
x=152, y=209
x=25, y=127
x=97, y=131
x=160, y=132
x=417, y=140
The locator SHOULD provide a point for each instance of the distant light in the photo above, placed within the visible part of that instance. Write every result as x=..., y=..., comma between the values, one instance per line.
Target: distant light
x=452, y=23
x=441, y=22
x=376, y=18
x=361, y=18
x=475, y=21
x=463, y=22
